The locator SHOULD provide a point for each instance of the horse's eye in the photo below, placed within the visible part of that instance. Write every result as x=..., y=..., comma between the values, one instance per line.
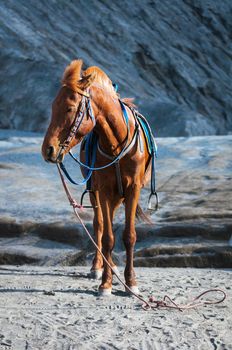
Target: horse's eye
x=70, y=109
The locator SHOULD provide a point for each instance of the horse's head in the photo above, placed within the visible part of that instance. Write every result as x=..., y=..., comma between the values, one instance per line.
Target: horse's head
x=67, y=110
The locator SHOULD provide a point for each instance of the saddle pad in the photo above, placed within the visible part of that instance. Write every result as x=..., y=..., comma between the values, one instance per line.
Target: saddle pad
x=150, y=141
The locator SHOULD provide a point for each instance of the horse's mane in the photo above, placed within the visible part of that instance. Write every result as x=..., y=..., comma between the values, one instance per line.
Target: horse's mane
x=75, y=77
x=101, y=80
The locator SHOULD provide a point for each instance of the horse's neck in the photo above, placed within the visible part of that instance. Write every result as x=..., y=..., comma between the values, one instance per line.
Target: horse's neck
x=110, y=126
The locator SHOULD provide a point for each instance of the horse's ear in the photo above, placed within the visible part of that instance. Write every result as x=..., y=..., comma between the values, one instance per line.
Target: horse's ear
x=86, y=80
x=72, y=73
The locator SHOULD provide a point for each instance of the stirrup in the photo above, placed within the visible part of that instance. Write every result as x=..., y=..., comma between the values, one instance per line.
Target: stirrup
x=149, y=207
x=82, y=198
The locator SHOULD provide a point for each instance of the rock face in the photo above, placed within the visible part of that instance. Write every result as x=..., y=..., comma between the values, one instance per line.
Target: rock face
x=192, y=227
x=173, y=56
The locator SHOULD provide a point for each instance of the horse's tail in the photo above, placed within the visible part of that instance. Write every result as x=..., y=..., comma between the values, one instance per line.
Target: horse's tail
x=140, y=215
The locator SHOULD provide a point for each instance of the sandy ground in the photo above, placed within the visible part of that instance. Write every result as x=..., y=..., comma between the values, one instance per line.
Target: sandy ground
x=59, y=308
x=48, y=307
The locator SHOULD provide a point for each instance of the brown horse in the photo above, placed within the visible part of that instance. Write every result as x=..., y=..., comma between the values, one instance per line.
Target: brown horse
x=112, y=133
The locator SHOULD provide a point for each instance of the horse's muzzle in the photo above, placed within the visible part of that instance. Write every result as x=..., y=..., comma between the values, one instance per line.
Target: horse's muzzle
x=52, y=156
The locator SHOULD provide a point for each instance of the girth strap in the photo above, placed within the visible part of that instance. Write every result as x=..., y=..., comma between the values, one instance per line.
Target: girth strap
x=127, y=150
x=119, y=179
x=117, y=165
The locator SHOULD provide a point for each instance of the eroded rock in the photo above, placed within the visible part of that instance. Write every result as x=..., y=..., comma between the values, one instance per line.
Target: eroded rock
x=174, y=57
x=194, y=185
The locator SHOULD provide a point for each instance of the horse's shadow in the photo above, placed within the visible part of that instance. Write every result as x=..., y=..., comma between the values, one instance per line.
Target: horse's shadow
x=18, y=272
x=51, y=292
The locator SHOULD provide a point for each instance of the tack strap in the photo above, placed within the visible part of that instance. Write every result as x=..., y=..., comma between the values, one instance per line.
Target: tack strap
x=79, y=116
x=119, y=179
x=141, y=123
x=85, y=107
x=90, y=159
x=92, y=145
x=121, y=153
x=126, y=150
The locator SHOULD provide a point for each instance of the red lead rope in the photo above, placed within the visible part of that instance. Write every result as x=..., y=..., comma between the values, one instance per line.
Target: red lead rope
x=152, y=303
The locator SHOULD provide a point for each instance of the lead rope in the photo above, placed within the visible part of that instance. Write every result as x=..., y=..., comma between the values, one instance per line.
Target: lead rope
x=166, y=302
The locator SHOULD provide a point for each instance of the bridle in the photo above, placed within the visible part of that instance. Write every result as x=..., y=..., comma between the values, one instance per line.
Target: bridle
x=83, y=109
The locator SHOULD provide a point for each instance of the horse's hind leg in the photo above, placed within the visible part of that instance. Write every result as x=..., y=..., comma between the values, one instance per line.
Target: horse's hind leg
x=97, y=264
x=129, y=234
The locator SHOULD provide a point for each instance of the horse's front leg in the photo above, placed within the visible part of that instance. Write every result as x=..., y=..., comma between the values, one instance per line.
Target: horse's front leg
x=97, y=264
x=129, y=234
x=108, y=208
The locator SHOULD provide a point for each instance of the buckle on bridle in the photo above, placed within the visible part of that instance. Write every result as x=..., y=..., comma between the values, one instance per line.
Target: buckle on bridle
x=63, y=145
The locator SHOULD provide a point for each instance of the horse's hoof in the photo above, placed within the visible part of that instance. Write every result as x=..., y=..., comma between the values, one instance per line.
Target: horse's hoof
x=96, y=274
x=104, y=292
x=133, y=289
x=115, y=270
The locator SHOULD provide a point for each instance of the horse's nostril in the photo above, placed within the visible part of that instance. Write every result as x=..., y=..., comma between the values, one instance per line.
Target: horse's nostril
x=50, y=151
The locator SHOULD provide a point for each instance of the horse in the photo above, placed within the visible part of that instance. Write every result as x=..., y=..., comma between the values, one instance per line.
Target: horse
x=87, y=103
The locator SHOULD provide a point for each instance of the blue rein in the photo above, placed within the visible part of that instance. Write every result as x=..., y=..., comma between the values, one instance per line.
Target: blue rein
x=93, y=141
x=91, y=144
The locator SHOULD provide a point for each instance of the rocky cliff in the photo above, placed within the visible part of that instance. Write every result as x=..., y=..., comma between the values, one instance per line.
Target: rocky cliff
x=173, y=56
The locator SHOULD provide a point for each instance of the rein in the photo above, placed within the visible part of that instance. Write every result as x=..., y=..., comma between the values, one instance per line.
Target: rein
x=140, y=122
x=152, y=303
x=92, y=146
x=121, y=153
